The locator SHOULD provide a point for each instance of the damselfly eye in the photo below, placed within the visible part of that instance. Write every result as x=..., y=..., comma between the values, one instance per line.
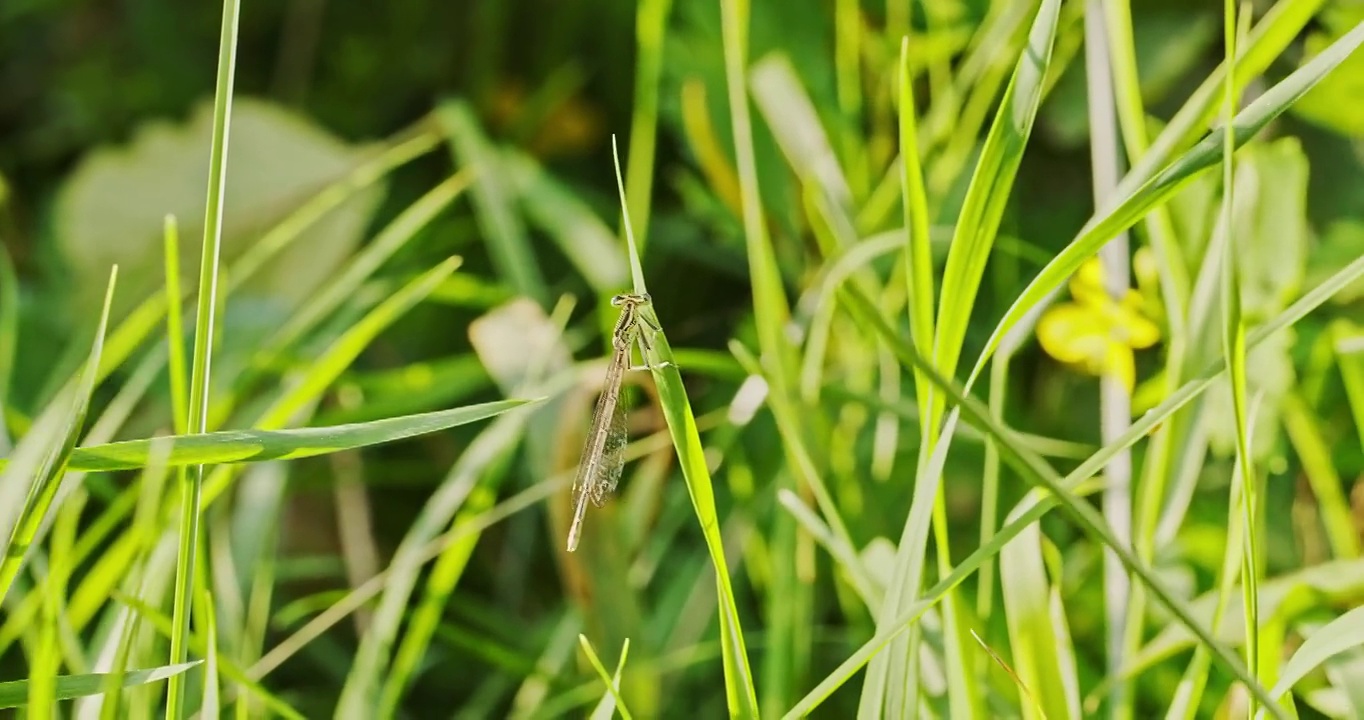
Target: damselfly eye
x=619, y=300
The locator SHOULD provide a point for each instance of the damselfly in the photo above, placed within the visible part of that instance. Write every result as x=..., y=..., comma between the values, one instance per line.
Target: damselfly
x=603, y=455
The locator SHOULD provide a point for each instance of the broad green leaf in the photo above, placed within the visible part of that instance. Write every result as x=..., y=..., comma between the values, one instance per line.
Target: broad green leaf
x=112, y=206
x=15, y=694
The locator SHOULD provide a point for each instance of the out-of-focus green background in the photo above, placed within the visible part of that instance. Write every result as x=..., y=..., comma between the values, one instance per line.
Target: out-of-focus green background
x=104, y=128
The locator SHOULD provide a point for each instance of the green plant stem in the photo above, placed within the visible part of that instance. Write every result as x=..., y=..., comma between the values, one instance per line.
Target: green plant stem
x=191, y=483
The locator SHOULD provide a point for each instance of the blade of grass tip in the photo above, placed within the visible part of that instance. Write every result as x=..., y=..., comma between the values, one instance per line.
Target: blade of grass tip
x=31, y=482
x=612, y=700
x=9, y=338
x=1038, y=473
x=1115, y=402
x=1234, y=349
x=651, y=25
x=175, y=332
x=15, y=694
x=191, y=484
x=1134, y=203
x=672, y=397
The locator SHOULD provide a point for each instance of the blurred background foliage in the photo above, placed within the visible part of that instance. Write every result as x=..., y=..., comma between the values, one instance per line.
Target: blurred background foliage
x=104, y=130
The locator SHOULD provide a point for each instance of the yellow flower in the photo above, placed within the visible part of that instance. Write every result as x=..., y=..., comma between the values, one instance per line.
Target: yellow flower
x=1095, y=333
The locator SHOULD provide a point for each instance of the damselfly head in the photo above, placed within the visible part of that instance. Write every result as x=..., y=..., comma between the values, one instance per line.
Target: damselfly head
x=631, y=299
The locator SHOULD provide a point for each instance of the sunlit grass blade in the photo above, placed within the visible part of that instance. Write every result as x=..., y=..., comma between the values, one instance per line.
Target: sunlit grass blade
x=307, y=385
x=918, y=244
x=1341, y=634
x=191, y=481
x=15, y=694
x=393, y=238
x=1044, y=665
x=672, y=397
x=1130, y=208
x=612, y=700
x=237, y=446
x=1057, y=492
x=1076, y=481
x=893, y=674
x=9, y=337
x=30, y=483
x=651, y=27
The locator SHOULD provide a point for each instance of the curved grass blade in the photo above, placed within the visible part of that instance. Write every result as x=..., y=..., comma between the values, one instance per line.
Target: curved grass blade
x=1203, y=156
x=1344, y=633
x=238, y=446
x=15, y=694
x=28, y=486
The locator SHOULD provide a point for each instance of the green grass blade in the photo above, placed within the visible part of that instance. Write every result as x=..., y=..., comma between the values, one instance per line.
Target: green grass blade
x=672, y=397
x=1133, y=206
x=918, y=247
x=393, y=238
x=29, y=485
x=989, y=191
x=15, y=694
x=9, y=337
x=651, y=26
x=1234, y=349
x=1343, y=633
x=1075, y=481
x=1044, y=664
x=982, y=210
x=1314, y=453
x=612, y=700
x=494, y=203
x=175, y=331
x=191, y=483
x=237, y=446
